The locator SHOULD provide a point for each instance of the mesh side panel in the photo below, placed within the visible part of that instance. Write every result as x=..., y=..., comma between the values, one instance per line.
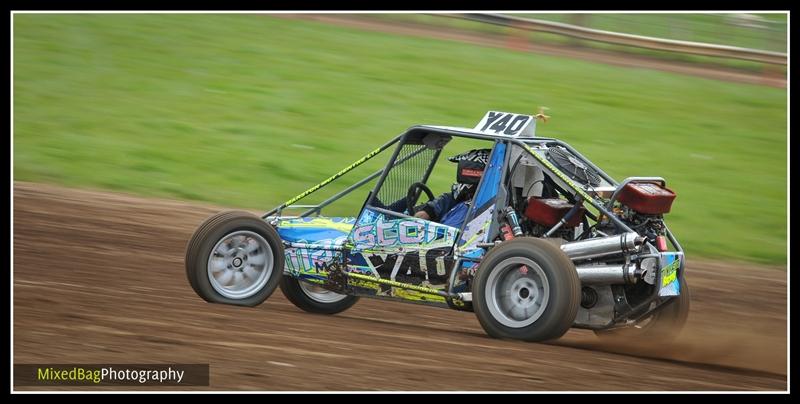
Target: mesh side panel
x=413, y=162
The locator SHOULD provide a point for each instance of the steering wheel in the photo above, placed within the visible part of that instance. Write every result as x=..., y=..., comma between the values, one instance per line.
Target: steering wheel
x=413, y=195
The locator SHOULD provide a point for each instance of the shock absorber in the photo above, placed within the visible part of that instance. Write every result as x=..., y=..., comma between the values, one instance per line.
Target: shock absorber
x=512, y=228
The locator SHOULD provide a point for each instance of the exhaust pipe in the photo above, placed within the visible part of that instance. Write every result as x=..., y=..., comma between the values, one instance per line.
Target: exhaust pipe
x=622, y=243
x=608, y=274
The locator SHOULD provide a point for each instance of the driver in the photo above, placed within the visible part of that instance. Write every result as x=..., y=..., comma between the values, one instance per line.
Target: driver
x=451, y=208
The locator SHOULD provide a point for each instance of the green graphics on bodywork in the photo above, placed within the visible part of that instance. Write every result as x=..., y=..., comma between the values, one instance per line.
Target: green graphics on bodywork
x=343, y=225
x=413, y=295
x=403, y=257
x=669, y=273
x=671, y=263
x=398, y=289
x=313, y=244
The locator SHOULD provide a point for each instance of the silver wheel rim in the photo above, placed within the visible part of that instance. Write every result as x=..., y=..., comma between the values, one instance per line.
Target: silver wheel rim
x=240, y=264
x=517, y=292
x=320, y=294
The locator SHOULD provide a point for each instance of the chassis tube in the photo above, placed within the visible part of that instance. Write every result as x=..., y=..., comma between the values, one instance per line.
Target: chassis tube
x=330, y=179
x=318, y=208
x=399, y=284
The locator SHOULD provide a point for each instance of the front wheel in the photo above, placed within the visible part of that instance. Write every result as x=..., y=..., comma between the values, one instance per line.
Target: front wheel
x=313, y=298
x=526, y=289
x=234, y=258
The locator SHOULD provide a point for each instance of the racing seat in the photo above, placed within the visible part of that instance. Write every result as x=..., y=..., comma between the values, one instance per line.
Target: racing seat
x=527, y=178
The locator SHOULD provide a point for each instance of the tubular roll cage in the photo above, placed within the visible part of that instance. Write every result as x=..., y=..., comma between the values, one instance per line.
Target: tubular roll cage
x=604, y=209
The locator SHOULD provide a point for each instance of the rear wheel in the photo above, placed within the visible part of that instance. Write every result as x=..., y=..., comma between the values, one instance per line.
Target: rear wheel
x=313, y=298
x=235, y=258
x=526, y=289
x=663, y=326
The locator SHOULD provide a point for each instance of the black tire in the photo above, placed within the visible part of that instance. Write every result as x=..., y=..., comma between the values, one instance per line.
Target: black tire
x=663, y=326
x=564, y=295
x=213, y=230
x=294, y=292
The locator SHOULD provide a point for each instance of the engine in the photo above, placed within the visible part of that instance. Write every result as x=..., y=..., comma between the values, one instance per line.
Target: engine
x=544, y=208
x=544, y=213
x=617, y=268
x=642, y=205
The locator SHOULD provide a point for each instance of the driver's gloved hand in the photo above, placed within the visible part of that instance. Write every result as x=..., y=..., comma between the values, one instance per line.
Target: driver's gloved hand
x=437, y=208
x=427, y=208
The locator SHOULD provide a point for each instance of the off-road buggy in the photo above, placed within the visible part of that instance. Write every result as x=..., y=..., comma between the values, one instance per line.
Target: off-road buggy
x=549, y=242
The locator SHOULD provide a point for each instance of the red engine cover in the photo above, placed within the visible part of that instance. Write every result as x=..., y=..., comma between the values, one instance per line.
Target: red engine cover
x=548, y=211
x=647, y=198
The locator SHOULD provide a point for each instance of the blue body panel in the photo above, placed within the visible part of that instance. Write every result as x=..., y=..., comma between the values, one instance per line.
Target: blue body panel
x=324, y=236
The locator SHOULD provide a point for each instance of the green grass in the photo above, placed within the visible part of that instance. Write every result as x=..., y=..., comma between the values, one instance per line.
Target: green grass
x=249, y=110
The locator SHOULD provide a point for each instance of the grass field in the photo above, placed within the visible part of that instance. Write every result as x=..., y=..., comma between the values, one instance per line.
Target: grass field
x=249, y=110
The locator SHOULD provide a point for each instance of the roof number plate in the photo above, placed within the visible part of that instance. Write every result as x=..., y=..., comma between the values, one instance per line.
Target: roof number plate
x=507, y=124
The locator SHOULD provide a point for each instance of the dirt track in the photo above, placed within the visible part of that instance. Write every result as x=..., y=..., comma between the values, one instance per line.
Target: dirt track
x=770, y=76
x=99, y=278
